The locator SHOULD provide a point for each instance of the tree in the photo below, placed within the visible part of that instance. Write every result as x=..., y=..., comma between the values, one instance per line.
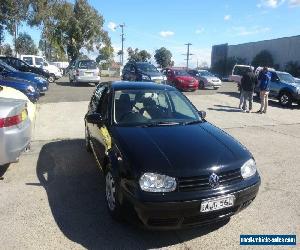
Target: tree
x=138, y=56
x=71, y=26
x=25, y=44
x=263, y=59
x=6, y=50
x=163, y=57
x=12, y=14
x=293, y=68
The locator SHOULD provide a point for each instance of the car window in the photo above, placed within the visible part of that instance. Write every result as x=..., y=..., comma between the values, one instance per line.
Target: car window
x=29, y=60
x=240, y=70
x=96, y=97
x=103, y=104
x=87, y=64
x=285, y=77
x=39, y=61
x=181, y=73
x=146, y=67
x=136, y=107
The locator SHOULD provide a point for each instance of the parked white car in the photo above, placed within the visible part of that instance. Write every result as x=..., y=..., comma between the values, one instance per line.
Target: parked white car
x=40, y=62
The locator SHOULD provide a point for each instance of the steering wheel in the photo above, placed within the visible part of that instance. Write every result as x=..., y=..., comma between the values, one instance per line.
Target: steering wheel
x=126, y=114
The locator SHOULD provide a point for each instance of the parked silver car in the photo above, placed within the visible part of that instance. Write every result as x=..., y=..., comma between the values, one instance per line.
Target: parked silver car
x=15, y=129
x=206, y=79
x=84, y=71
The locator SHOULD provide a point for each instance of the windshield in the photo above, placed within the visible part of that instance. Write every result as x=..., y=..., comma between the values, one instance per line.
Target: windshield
x=205, y=73
x=181, y=73
x=87, y=64
x=39, y=61
x=285, y=77
x=152, y=107
x=146, y=67
x=6, y=66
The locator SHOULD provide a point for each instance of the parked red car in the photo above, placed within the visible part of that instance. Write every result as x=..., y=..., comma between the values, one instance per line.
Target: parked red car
x=180, y=79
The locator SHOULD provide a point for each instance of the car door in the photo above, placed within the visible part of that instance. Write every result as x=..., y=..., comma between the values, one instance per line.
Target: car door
x=275, y=85
x=99, y=135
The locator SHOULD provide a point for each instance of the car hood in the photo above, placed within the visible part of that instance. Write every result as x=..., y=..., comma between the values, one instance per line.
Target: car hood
x=185, y=78
x=152, y=74
x=16, y=81
x=210, y=78
x=189, y=150
x=23, y=75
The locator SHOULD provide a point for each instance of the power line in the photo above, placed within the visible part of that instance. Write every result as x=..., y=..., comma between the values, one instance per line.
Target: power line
x=188, y=54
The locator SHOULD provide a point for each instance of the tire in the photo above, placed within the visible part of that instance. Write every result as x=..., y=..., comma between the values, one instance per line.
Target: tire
x=201, y=85
x=87, y=141
x=70, y=80
x=215, y=88
x=285, y=99
x=111, y=194
x=51, y=78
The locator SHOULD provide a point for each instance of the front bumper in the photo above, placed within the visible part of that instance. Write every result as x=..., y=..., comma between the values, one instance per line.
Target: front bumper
x=213, y=84
x=33, y=97
x=182, y=214
x=14, y=141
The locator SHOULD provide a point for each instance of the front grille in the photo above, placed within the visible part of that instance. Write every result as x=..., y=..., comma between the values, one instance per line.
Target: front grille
x=163, y=222
x=206, y=217
x=187, y=184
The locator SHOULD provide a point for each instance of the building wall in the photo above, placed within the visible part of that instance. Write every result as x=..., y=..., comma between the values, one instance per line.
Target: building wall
x=283, y=50
x=218, y=53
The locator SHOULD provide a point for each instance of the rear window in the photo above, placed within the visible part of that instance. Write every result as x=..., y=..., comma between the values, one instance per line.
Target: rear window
x=39, y=61
x=240, y=70
x=88, y=64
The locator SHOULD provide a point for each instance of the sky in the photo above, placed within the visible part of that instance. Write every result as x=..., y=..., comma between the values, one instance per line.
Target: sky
x=152, y=24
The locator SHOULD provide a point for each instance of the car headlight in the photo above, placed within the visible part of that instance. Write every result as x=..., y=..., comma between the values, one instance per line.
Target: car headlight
x=30, y=89
x=248, y=169
x=298, y=90
x=151, y=182
x=145, y=77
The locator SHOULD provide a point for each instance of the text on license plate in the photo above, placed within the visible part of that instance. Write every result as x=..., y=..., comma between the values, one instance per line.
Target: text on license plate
x=217, y=203
x=88, y=73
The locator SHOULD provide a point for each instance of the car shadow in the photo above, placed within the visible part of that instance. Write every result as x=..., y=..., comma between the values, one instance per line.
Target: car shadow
x=223, y=108
x=75, y=190
x=70, y=84
x=272, y=102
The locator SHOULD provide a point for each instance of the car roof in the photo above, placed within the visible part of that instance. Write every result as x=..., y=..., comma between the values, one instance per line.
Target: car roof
x=123, y=85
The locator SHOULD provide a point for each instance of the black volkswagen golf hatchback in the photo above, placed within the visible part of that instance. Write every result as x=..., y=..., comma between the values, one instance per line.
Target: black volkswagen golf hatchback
x=162, y=160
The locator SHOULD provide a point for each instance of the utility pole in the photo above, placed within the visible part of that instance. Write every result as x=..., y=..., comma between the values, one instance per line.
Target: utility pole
x=188, y=54
x=122, y=39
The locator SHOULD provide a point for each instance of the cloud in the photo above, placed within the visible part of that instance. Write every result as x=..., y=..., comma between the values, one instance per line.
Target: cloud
x=166, y=33
x=112, y=26
x=270, y=3
x=294, y=3
x=199, y=31
x=243, y=31
x=227, y=17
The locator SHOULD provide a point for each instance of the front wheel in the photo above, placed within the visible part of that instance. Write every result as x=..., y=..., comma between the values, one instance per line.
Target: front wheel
x=51, y=78
x=113, y=205
x=201, y=85
x=285, y=99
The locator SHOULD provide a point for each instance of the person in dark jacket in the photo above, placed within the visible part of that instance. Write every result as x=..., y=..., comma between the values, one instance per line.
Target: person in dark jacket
x=248, y=83
x=264, y=87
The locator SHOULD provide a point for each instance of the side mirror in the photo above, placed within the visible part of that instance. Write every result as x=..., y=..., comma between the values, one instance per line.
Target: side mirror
x=94, y=118
x=202, y=114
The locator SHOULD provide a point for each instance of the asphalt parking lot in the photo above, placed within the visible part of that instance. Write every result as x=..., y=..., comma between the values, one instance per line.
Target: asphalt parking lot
x=53, y=198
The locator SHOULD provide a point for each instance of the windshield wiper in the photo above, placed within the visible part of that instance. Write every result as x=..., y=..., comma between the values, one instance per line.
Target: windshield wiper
x=155, y=124
x=192, y=122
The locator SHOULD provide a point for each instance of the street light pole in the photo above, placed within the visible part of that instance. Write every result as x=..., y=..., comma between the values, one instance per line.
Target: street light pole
x=188, y=54
x=122, y=39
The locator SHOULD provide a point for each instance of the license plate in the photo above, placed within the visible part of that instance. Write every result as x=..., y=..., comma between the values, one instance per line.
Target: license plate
x=157, y=81
x=217, y=203
x=24, y=115
x=88, y=73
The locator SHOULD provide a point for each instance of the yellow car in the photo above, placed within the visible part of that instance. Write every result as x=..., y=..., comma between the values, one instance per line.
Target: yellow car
x=7, y=92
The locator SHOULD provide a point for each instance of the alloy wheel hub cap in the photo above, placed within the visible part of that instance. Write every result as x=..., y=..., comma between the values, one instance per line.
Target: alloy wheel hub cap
x=284, y=99
x=110, y=191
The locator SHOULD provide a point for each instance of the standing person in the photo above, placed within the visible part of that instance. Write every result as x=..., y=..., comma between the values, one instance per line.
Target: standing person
x=248, y=83
x=264, y=86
